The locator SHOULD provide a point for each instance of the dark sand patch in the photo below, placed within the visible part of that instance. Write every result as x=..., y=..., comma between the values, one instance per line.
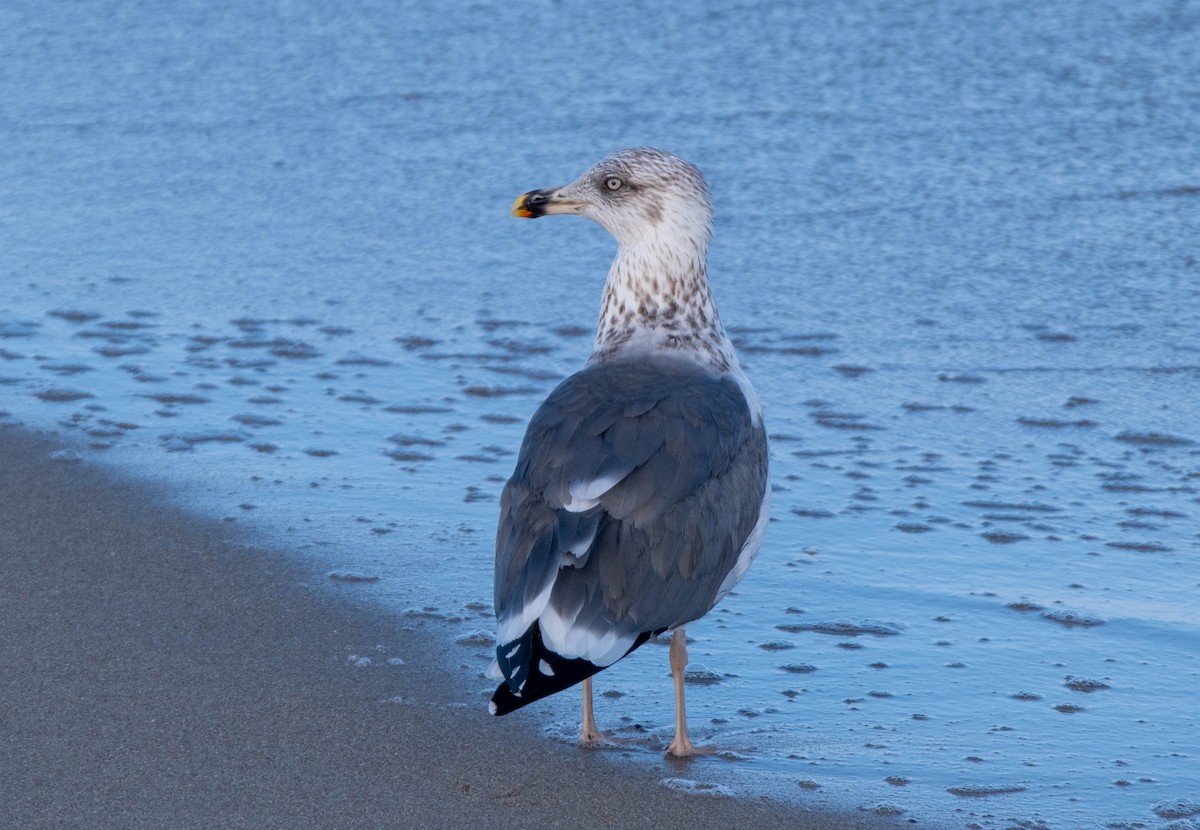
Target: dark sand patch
x=159, y=674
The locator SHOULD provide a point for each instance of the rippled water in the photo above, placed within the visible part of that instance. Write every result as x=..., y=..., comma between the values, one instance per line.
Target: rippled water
x=264, y=256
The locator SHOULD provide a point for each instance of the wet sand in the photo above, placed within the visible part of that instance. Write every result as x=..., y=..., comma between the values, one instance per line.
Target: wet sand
x=157, y=673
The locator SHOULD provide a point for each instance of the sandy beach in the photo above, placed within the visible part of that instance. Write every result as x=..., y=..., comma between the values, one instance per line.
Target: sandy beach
x=160, y=674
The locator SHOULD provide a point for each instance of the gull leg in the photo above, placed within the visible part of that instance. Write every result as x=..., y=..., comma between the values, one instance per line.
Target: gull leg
x=681, y=747
x=589, y=735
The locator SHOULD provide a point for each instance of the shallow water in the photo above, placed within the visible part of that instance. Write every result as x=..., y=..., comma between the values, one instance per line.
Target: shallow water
x=264, y=256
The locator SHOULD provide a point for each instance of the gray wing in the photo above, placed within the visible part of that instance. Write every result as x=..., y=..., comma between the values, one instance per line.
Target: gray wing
x=636, y=488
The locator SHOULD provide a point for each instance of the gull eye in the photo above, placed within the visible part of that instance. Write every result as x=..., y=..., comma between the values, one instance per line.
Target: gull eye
x=613, y=183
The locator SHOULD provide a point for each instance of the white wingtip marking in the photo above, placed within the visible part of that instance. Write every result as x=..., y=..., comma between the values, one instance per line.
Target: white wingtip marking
x=545, y=668
x=580, y=505
x=563, y=637
x=491, y=707
x=591, y=490
x=512, y=627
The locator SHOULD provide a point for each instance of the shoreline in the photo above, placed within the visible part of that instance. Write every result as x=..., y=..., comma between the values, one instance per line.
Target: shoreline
x=160, y=674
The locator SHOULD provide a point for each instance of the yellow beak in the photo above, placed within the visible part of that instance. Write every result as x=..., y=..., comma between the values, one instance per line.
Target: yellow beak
x=521, y=207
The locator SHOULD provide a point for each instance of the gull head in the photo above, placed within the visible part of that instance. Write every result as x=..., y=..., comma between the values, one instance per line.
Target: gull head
x=638, y=195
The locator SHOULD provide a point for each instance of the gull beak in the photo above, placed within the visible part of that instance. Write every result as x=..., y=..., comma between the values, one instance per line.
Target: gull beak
x=537, y=203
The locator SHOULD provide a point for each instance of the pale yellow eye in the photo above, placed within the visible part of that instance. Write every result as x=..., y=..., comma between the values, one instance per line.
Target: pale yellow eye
x=613, y=183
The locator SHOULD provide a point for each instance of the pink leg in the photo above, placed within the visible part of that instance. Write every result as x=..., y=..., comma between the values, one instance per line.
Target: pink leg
x=681, y=747
x=589, y=735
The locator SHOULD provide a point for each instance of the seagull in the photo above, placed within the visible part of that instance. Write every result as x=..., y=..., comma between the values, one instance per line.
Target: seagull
x=640, y=495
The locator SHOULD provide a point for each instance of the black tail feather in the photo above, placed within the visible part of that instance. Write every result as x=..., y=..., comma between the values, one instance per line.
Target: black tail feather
x=533, y=671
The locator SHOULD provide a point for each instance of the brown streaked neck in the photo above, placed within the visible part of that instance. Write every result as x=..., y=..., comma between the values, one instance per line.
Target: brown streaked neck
x=657, y=298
